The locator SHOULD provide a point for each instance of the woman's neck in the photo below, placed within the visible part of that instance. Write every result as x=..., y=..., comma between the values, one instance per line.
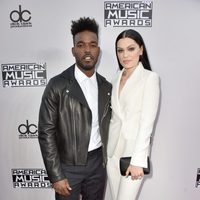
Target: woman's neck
x=128, y=71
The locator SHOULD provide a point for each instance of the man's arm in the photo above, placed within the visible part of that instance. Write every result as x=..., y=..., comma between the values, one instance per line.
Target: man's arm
x=47, y=128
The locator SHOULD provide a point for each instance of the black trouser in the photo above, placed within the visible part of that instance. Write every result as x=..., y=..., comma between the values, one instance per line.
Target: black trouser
x=88, y=180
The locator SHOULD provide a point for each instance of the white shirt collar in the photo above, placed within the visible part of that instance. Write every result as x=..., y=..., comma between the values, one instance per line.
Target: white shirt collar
x=80, y=76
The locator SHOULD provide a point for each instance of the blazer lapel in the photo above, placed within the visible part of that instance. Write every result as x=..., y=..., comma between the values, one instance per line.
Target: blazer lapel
x=131, y=84
x=115, y=95
x=133, y=81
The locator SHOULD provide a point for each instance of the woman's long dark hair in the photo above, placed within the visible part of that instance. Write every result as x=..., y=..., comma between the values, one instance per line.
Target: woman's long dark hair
x=134, y=35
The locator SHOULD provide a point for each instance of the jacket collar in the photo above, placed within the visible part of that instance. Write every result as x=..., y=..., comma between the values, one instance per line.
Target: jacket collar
x=74, y=89
x=72, y=86
x=69, y=74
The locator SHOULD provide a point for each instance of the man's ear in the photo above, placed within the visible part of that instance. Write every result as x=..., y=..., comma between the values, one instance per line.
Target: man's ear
x=99, y=50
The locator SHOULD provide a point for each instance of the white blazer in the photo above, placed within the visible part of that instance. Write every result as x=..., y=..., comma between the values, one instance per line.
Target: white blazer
x=133, y=116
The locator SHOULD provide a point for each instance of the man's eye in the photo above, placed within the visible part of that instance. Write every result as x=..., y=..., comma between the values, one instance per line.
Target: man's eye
x=79, y=45
x=93, y=46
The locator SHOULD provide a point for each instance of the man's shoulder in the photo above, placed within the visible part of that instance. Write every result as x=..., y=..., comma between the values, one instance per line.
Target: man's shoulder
x=66, y=74
x=103, y=79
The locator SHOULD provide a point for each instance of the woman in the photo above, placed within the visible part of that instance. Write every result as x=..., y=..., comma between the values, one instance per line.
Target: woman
x=135, y=99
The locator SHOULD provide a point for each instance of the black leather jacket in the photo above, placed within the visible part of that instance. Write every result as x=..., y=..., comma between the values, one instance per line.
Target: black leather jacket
x=65, y=122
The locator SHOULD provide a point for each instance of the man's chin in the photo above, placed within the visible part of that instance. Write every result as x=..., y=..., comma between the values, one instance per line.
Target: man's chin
x=88, y=67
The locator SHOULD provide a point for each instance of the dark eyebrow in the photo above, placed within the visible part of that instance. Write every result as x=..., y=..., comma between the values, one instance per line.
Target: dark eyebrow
x=89, y=42
x=132, y=45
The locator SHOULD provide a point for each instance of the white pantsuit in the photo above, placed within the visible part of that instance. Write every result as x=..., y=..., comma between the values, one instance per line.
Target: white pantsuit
x=131, y=126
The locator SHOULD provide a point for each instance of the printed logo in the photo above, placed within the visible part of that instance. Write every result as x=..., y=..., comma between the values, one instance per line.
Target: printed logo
x=198, y=178
x=30, y=178
x=128, y=13
x=27, y=131
x=20, y=18
x=24, y=75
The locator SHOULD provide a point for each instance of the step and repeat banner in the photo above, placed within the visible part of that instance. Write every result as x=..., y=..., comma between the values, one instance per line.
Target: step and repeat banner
x=35, y=45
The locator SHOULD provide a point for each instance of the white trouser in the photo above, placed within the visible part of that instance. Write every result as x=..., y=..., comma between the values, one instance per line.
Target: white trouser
x=122, y=188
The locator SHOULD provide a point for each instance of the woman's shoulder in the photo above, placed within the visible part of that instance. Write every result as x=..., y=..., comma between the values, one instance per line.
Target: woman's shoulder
x=150, y=74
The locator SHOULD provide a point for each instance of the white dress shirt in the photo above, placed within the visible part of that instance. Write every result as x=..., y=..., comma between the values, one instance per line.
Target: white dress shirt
x=90, y=90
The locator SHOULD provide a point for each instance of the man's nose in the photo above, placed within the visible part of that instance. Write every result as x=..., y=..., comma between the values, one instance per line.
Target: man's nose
x=87, y=48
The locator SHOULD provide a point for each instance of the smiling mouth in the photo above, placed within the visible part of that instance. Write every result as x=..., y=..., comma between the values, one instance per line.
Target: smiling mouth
x=88, y=58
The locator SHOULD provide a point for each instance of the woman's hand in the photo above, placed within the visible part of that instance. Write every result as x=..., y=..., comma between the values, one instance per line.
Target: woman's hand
x=136, y=172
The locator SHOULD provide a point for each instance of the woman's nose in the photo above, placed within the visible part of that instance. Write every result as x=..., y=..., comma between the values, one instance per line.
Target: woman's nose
x=125, y=54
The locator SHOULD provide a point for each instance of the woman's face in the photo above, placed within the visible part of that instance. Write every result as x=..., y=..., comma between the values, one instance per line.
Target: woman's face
x=128, y=52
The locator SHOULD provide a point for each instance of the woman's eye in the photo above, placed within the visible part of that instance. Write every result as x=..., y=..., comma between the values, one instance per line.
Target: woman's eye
x=131, y=49
x=119, y=50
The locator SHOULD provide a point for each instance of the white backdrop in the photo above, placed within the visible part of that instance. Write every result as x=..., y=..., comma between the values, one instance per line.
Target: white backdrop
x=173, y=45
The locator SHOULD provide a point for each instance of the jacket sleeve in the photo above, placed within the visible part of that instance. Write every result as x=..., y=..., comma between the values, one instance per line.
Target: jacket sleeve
x=148, y=115
x=47, y=128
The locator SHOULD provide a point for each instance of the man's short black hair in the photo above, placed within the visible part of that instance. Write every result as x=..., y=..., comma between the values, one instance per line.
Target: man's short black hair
x=84, y=24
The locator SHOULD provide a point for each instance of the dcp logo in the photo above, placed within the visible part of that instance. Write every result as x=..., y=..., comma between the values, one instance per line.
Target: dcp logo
x=198, y=178
x=27, y=130
x=20, y=15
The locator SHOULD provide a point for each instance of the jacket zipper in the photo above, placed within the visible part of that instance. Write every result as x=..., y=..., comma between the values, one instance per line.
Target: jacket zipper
x=105, y=111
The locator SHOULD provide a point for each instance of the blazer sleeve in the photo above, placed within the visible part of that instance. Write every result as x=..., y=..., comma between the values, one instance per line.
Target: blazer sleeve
x=148, y=115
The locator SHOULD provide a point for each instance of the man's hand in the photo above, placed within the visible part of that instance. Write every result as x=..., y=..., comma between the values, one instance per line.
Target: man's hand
x=62, y=187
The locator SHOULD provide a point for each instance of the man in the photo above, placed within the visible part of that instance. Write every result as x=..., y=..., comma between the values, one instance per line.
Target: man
x=74, y=119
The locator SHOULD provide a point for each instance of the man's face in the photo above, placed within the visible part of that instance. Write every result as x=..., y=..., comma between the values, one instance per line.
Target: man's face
x=86, y=51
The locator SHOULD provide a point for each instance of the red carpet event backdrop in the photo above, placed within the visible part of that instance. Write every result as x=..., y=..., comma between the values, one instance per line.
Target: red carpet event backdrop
x=35, y=45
